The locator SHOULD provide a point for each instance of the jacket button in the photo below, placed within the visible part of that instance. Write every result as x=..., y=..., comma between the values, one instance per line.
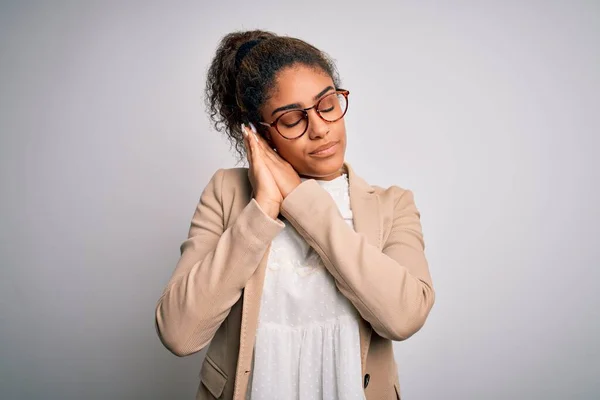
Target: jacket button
x=367, y=379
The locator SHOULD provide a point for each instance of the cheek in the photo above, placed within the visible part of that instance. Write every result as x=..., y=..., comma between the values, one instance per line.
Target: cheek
x=293, y=151
x=290, y=150
x=341, y=129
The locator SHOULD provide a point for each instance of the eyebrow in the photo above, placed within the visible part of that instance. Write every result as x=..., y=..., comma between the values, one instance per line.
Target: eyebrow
x=297, y=105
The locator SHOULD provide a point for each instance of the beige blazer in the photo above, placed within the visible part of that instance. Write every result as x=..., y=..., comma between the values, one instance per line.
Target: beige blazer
x=215, y=291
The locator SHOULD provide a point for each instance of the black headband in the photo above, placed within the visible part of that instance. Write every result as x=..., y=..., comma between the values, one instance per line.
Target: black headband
x=244, y=50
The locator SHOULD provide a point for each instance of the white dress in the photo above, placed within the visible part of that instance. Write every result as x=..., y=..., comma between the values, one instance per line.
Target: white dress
x=307, y=341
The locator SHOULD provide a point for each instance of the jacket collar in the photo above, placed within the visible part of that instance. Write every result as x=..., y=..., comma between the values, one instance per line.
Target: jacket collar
x=357, y=183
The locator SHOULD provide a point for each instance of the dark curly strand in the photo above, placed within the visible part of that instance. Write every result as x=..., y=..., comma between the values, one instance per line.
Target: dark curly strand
x=243, y=72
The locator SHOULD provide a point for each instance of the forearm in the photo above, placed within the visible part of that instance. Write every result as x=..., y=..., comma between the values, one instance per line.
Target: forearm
x=391, y=291
x=209, y=279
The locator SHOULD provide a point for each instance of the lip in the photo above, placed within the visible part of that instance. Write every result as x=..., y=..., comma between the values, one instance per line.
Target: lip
x=325, y=150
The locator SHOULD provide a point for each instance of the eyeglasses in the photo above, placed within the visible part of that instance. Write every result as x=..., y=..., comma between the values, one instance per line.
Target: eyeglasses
x=294, y=123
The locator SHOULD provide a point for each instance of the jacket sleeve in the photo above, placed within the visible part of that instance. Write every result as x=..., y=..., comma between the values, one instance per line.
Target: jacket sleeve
x=391, y=288
x=215, y=265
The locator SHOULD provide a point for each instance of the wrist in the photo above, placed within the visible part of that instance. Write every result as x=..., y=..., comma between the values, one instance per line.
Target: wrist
x=289, y=188
x=269, y=207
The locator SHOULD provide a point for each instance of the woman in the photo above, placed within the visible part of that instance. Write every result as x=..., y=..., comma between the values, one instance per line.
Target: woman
x=296, y=271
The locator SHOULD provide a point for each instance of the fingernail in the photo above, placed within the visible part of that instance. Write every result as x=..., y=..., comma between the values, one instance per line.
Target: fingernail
x=244, y=130
x=252, y=127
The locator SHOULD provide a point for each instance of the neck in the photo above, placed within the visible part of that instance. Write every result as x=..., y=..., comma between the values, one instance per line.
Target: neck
x=330, y=177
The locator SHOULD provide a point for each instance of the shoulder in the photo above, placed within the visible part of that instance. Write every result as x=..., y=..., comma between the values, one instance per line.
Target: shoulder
x=229, y=176
x=230, y=180
x=397, y=200
x=393, y=193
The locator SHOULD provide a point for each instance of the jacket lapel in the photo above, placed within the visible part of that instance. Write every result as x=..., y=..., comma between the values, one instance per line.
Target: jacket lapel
x=367, y=221
x=365, y=207
x=252, y=294
x=250, y=313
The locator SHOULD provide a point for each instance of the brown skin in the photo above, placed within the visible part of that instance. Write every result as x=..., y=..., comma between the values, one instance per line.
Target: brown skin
x=275, y=174
x=266, y=191
x=300, y=84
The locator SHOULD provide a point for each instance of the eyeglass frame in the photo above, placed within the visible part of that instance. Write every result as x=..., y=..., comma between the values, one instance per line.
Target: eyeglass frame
x=273, y=124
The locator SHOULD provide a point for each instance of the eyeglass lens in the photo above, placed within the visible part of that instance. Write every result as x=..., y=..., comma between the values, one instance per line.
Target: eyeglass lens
x=294, y=123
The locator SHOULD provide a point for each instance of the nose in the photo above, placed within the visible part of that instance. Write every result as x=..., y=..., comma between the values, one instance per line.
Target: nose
x=317, y=128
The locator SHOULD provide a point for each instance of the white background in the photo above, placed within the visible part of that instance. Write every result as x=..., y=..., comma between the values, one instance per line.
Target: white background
x=487, y=110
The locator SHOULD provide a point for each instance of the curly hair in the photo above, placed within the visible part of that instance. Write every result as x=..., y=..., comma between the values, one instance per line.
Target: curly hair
x=243, y=72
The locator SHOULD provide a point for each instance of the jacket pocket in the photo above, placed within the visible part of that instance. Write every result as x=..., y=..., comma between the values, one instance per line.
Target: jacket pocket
x=212, y=377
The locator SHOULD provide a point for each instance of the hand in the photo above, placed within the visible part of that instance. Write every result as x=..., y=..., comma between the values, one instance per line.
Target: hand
x=266, y=191
x=284, y=174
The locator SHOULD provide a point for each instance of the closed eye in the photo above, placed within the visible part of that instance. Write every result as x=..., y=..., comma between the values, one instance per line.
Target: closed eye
x=292, y=124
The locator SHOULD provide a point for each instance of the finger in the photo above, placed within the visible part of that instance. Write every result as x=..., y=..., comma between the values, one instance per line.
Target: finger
x=260, y=141
x=248, y=152
x=255, y=150
x=263, y=145
x=246, y=144
x=269, y=153
x=266, y=147
x=265, y=151
x=255, y=143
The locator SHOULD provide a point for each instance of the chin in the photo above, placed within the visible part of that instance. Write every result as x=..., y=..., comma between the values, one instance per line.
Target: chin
x=325, y=167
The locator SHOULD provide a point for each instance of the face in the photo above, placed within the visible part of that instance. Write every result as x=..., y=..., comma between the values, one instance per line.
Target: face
x=301, y=87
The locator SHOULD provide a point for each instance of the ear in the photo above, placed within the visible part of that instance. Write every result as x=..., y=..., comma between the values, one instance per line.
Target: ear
x=269, y=139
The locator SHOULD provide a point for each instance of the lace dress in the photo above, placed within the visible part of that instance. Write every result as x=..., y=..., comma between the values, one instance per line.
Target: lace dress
x=307, y=343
